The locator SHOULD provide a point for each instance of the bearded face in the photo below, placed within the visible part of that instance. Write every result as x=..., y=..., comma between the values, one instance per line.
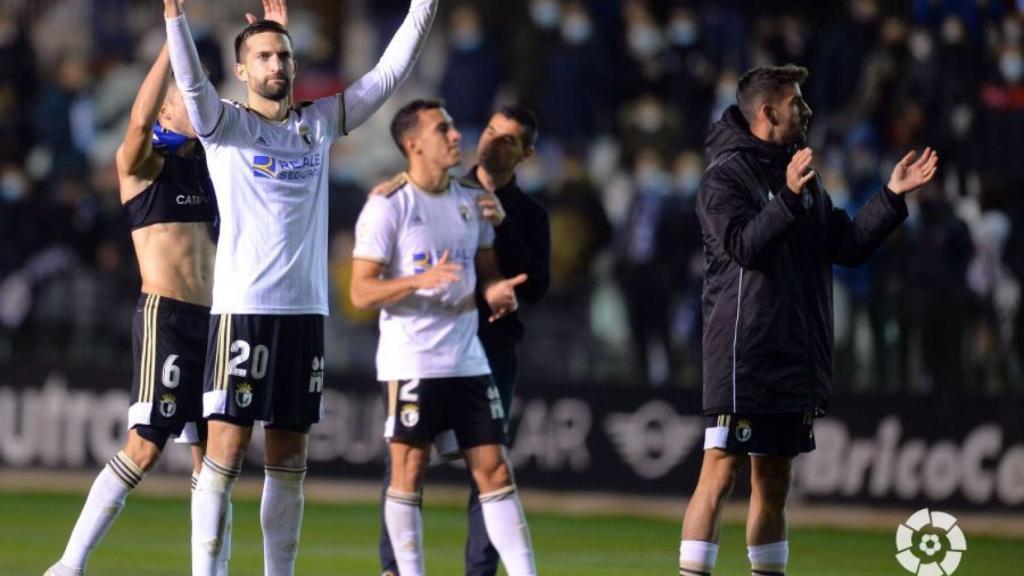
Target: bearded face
x=269, y=67
x=502, y=146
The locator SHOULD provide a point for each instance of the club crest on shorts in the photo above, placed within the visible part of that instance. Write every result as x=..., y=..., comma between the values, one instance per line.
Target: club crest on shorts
x=743, y=430
x=410, y=415
x=168, y=405
x=243, y=395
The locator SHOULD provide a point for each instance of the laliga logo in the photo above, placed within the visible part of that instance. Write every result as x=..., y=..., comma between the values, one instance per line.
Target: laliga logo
x=930, y=544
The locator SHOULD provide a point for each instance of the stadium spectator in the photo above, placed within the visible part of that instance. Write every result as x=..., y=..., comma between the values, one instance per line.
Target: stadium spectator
x=58, y=92
x=646, y=262
x=943, y=248
x=473, y=73
x=562, y=346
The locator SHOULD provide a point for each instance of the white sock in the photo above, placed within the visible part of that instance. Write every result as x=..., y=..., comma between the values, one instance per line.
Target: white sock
x=211, y=503
x=769, y=559
x=281, y=518
x=105, y=501
x=404, y=522
x=697, y=557
x=225, y=548
x=59, y=569
x=507, y=529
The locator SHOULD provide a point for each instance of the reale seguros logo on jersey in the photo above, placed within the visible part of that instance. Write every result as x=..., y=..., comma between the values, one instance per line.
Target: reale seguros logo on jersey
x=423, y=260
x=268, y=167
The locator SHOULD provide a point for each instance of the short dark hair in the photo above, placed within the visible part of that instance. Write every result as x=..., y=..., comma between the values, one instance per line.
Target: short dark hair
x=408, y=118
x=766, y=84
x=525, y=117
x=257, y=27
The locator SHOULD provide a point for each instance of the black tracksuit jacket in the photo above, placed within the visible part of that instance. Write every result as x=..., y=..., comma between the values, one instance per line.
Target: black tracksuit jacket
x=767, y=296
x=523, y=246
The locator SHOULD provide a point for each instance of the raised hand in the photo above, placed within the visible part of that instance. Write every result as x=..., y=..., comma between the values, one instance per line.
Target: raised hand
x=501, y=297
x=173, y=8
x=275, y=10
x=908, y=175
x=799, y=171
x=491, y=208
x=439, y=275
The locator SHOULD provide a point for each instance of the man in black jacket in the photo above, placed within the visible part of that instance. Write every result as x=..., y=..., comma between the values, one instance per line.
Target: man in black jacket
x=523, y=246
x=771, y=237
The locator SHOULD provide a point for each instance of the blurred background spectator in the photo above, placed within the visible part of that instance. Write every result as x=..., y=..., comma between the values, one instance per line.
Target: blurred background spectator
x=625, y=91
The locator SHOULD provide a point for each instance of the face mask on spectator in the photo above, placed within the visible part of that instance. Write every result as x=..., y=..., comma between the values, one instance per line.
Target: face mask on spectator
x=682, y=32
x=13, y=186
x=725, y=91
x=650, y=117
x=1012, y=66
x=952, y=30
x=651, y=179
x=530, y=177
x=545, y=13
x=644, y=40
x=467, y=38
x=8, y=32
x=687, y=182
x=961, y=119
x=920, y=46
x=576, y=29
x=1012, y=31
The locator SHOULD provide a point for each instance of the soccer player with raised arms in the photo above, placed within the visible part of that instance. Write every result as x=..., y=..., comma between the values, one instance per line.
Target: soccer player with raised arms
x=419, y=247
x=265, y=358
x=169, y=203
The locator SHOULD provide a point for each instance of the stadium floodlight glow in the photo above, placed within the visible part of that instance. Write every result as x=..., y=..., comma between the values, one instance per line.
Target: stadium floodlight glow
x=930, y=544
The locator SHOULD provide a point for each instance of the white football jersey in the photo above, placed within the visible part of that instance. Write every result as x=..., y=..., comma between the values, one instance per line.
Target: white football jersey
x=430, y=333
x=271, y=182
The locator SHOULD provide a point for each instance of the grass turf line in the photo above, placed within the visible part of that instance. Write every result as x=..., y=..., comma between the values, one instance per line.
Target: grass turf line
x=151, y=538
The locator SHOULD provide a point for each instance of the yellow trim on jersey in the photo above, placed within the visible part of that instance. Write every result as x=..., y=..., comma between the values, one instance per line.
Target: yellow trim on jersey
x=144, y=352
x=216, y=353
x=225, y=374
x=152, y=350
x=149, y=353
x=221, y=382
x=392, y=398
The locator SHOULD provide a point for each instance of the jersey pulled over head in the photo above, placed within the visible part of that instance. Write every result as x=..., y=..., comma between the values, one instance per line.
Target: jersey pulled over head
x=168, y=141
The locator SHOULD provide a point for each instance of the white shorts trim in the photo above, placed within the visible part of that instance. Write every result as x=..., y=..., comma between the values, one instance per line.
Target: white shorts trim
x=189, y=434
x=139, y=414
x=716, y=437
x=447, y=446
x=215, y=402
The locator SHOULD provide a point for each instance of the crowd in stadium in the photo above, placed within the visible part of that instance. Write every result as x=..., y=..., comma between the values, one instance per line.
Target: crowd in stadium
x=625, y=91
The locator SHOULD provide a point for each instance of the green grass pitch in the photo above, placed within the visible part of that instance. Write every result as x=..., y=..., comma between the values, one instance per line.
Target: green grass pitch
x=151, y=538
